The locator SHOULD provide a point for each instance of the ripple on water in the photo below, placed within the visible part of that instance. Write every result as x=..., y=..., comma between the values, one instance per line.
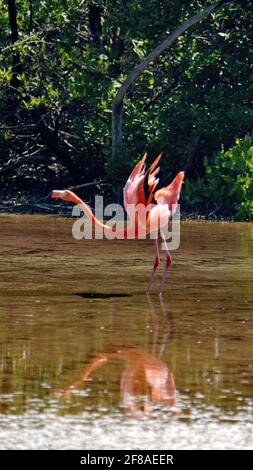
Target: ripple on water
x=95, y=431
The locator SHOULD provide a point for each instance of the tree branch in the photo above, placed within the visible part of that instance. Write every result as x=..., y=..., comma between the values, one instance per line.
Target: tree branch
x=16, y=67
x=24, y=161
x=92, y=183
x=118, y=100
x=50, y=138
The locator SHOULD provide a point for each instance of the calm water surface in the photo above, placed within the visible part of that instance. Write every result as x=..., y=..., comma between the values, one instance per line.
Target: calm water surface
x=88, y=361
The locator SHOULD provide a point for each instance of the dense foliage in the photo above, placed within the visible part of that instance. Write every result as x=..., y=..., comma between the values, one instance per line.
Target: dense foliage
x=227, y=186
x=62, y=63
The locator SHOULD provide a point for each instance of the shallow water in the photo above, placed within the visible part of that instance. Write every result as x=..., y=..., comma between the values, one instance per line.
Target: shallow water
x=88, y=361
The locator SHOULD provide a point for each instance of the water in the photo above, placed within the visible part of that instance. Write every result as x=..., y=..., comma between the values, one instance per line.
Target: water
x=87, y=361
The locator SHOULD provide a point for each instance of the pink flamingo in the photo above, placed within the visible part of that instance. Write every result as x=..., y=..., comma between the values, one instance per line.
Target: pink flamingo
x=139, y=191
x=146, y=377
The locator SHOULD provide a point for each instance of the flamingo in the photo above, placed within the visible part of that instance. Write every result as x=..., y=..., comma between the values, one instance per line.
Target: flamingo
x=145, y=374
x=140, y=190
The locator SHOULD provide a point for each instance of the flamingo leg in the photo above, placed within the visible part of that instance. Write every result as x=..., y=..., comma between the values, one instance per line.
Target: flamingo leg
x=167, y=265
x=156, y=264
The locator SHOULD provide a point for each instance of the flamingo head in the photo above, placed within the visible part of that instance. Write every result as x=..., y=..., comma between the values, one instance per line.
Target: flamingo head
x=66, y=195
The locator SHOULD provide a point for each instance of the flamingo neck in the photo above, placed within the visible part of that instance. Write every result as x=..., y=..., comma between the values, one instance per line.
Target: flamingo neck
x=123, y=233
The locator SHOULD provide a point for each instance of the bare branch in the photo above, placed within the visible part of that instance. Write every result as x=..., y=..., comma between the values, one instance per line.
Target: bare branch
x=24, y=161
x=118, y=100
x=86, y=185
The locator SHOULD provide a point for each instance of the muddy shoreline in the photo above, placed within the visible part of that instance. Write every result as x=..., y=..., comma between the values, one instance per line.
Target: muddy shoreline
x=46, y=208
x=13, y=203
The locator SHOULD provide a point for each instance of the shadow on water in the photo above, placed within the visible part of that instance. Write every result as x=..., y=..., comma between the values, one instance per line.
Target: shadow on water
x=101, y=295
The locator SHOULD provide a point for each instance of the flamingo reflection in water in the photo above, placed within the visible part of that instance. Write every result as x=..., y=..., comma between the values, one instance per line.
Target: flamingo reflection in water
x=146, y=379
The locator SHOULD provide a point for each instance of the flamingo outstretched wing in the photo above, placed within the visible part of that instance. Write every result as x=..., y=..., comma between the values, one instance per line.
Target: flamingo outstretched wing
x=141, y=184
x=133, y=191
x=170, y=194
